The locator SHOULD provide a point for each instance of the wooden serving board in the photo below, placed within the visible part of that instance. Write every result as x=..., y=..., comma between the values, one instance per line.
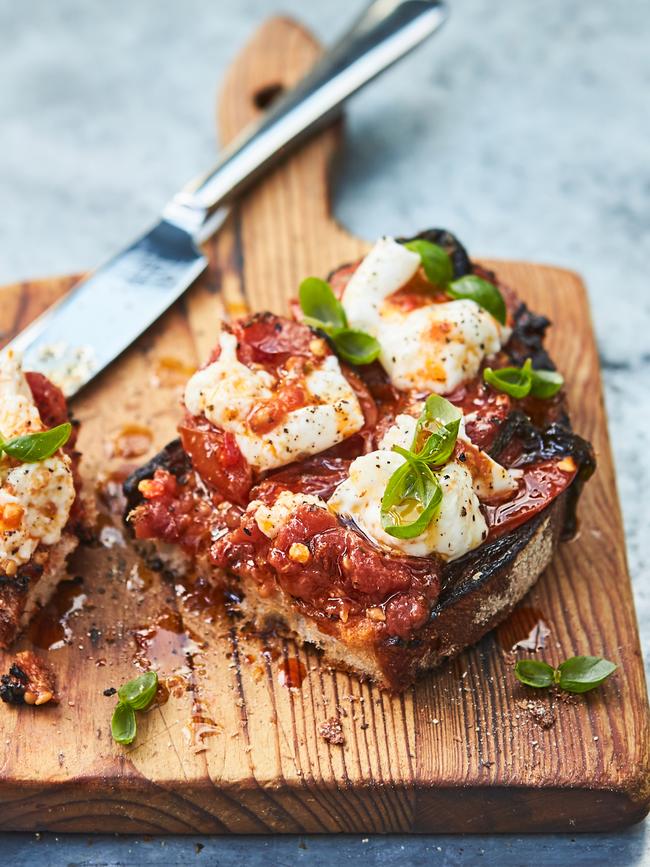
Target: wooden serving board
x=234, y=749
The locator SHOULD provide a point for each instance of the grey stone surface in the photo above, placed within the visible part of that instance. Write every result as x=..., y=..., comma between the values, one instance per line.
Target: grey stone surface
x=522, y=126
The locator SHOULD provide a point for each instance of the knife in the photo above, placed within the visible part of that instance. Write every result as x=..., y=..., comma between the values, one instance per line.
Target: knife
x=102, y=315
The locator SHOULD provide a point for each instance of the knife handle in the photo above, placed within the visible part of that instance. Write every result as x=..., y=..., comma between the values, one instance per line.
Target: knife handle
x=385, y=32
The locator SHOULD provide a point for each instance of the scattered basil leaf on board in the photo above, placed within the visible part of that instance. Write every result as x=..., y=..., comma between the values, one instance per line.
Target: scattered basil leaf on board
x=534, y=672
x=485, y=294
x=320, y=305
x=322, y=309
x=136, y=694
x=519, y=382
x=582, y=673
x=356, y=347
x=34, y=447
x=139, y=692
x=436, y=262
x=123, y=725
x=413, y=494
x=578, y=674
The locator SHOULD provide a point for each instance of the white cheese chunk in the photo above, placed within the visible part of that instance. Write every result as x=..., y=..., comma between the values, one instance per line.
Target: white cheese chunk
x=227, y=391
x=432, y=348
x=459, y=526
x=36, y=498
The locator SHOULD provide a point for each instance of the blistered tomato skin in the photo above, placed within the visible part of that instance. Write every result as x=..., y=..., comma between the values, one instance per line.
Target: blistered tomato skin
x=216, y=457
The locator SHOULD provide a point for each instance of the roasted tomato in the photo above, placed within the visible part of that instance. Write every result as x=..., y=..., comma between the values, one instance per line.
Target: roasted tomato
x=216, y=457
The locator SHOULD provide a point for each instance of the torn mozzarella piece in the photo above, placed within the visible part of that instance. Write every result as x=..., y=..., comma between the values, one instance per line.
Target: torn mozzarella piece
x=459, y=526
x=435, y=347
x=35, y=498
x=271, y=519
x=227, y=392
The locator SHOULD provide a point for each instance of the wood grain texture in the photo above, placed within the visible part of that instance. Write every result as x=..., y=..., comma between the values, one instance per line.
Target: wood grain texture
x=235, y=751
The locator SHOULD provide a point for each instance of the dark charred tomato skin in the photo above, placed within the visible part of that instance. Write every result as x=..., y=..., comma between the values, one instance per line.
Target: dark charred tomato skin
x=342, y=572
x=216, y=457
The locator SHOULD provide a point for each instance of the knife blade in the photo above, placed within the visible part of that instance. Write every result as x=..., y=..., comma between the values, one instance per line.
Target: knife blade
x=107, y=311
x=102, y=315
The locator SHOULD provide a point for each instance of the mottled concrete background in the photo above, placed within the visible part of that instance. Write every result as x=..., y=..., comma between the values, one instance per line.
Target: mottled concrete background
x=523, y=127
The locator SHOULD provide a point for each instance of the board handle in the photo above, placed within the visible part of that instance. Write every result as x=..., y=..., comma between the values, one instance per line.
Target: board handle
x=385, y=32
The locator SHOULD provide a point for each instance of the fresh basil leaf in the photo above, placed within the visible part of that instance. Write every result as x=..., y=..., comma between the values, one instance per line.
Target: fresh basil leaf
x=582, y=673
x=411, y=501
x=441, y=420
x=139, y=692
x=356, y=347
x=437, y=408
x=439, y=412
x=436, y=262
x=485, y=294
x=515, y=381
x=534, y=672
x=123, y=725
x=34, y=447
x=320, y=305
x=545, y=383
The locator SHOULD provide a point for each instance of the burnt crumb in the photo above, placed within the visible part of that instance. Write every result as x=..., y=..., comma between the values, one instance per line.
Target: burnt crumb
x=30, y=680
x=94, y=634
x=110, y=691
x=332, y=731
x=565, y=697
x=539, y=712
x=12, y=685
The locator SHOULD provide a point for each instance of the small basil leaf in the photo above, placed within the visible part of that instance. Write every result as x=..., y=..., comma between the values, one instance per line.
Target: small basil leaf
x=319, y=304
x=356, y=347
x=123, y=725
x=436, y=262
x=321, y=326
x=534, y=672
x=411, y=501
x=438, y=448
x=545, y=383
x=139, y=692
x=582, y=673
x=441, y=419
x=485, y=294
x=31, y=448
x=514, y=381
x=437, y=408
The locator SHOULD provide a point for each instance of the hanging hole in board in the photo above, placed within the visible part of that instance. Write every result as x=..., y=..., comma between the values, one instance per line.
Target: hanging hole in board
x=267, y=95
